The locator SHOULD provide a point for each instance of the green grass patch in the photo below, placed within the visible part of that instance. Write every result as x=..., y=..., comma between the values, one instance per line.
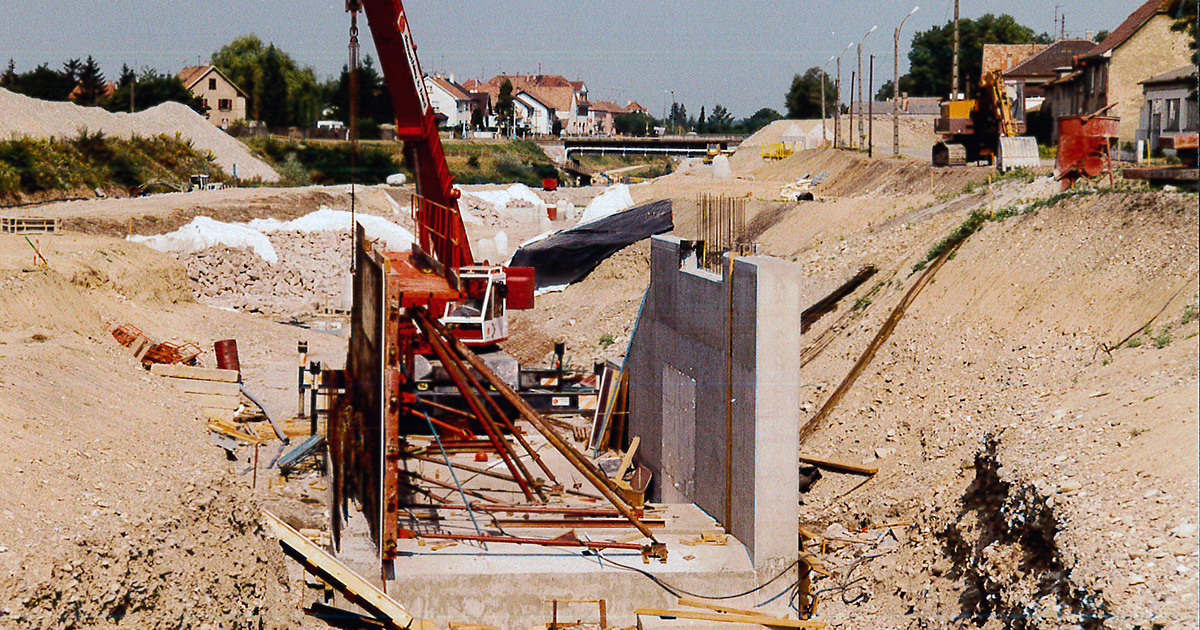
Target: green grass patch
x=328, y=162
x=30, y=166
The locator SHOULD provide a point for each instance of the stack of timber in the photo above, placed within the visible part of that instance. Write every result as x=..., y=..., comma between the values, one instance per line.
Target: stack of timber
x=217, y=392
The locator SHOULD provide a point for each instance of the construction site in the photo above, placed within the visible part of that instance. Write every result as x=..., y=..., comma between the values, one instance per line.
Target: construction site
x=790, y=384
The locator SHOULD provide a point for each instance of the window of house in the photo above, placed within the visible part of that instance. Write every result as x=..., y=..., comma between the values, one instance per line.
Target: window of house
x=212, y=84
x=225, y=104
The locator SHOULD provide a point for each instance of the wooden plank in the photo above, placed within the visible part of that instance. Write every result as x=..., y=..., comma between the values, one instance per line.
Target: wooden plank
x=193, y=386
x=356, y=589
x=196, y=373
x=838, y=466
x=696, y=602
x=233, y=432
x=773, y=622
x=215, y=401
x=628, y=458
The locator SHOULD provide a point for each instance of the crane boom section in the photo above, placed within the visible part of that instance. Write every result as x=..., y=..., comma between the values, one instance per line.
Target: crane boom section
x=440, y=230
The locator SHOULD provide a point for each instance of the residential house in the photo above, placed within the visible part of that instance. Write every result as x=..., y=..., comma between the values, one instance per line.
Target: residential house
x=533, y=114
x=567, y=98
x=1004, y=56
x=604, y=116
x=1031, y=75
x=225, y=101
x=634, y=106
x=1108, y=77
x=1167, y=111
x=450, y=100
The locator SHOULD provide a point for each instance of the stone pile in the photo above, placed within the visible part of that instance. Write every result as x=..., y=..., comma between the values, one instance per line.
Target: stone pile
x=310, y=274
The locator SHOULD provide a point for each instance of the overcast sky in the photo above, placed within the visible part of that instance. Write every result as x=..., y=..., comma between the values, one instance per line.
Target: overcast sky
x=739, y=53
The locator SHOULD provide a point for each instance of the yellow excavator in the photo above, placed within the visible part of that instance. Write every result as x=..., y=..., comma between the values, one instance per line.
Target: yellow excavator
x=984, y=129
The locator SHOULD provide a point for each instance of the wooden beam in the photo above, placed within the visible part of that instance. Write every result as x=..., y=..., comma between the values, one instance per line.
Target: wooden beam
x=356, y=589
x=774, y=622
x=197, y=373
x=834, y=465
x=695, y=602
x=628, y=459
x=196, y=386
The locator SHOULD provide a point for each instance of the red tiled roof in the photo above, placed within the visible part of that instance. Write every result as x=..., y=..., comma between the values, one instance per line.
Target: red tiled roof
x=635, y=106
x=458, y=92
x=607, y=106
x=553, y=90
x=1130, y=26
x=191, y=75
x=1060, y=54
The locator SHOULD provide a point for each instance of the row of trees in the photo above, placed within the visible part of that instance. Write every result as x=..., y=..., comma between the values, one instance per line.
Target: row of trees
x=84, y=82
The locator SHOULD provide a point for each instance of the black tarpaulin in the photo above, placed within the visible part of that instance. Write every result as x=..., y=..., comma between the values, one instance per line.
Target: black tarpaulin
x=570, y=255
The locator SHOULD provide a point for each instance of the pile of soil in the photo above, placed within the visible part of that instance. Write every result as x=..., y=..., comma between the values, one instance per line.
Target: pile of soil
x=21, y=115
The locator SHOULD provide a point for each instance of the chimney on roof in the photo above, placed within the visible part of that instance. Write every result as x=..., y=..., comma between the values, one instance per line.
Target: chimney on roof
x=451, y=77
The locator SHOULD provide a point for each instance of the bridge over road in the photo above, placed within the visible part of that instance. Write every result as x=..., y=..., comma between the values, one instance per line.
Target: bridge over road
x=684, y=146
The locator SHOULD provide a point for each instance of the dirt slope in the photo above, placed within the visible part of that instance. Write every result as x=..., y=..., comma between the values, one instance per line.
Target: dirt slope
x=117, y=510
x=1050, y=482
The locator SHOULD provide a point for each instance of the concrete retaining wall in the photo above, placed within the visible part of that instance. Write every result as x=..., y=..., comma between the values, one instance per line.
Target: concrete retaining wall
x=695, y=397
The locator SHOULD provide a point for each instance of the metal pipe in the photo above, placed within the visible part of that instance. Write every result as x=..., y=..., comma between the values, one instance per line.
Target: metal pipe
x=896, y=86
x=545, y=542
x=477, y=408
x=593, y=474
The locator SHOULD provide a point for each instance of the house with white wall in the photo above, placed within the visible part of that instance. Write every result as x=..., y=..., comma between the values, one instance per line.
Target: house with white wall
x=225, y=101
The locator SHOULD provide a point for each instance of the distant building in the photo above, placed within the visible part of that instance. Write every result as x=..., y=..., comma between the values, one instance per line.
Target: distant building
x=1166, y=109
x=1048, y=64
x=225, y=101
x=1004, y=56
x=604, y=116
x=1141, y=47
x=567, y=98
x=635, y=106
x=535, y=115
x=450, y=101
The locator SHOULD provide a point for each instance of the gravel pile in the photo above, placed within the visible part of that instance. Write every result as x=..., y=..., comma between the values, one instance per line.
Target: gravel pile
x=21, y=115
x=309, y=275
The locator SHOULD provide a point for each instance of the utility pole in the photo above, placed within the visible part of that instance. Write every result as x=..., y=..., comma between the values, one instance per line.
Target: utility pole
x=850, y=130
x=837, y=108
x=862, y=139
x=954, y=73
x=871, y=109
x=896, y=86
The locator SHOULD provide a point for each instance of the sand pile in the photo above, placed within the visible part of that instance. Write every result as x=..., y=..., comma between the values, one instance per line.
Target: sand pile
x=24, y=116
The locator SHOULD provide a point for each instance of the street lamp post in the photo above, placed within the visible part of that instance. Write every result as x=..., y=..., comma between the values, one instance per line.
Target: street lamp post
x=837, y=89
x=862, y=133
x=896, y=86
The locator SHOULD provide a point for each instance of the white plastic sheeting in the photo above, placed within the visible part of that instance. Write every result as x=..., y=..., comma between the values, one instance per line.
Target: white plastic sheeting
x=204, y=232
x=613, y=200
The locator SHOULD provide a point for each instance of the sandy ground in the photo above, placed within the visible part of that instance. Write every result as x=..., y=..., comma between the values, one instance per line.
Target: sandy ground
x=1033, y=479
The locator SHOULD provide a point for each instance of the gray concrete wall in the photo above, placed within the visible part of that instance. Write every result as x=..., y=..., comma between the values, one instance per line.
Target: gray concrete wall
x=681, y=345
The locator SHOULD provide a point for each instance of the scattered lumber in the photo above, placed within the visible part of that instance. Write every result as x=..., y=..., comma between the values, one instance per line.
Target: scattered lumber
x=356, y=589
x=762, y=620
x=695, y=602
x=834, y=465
x=229, y=429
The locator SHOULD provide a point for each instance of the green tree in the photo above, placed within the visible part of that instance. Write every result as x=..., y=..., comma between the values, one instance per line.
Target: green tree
x=885, y=90
x=760, y=119
x=932, y=53
x=241, y=61
x=374, y=101
x=43, y=83
x=151, y=89
x=10, y=74
x=1101, y=36
x=273, y=107
x=71, y=70
x=720, y=121
x=678, y=120
x=477, y=118
x=803, y=100
x=504, y=105
x=633, y=124
x=702, y=122
x=91, y=82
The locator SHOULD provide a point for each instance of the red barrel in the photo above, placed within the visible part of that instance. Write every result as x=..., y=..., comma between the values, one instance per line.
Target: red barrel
x=227, y=355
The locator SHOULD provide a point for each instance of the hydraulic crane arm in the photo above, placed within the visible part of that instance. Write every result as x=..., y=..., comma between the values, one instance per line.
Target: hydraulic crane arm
x=440, y=231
